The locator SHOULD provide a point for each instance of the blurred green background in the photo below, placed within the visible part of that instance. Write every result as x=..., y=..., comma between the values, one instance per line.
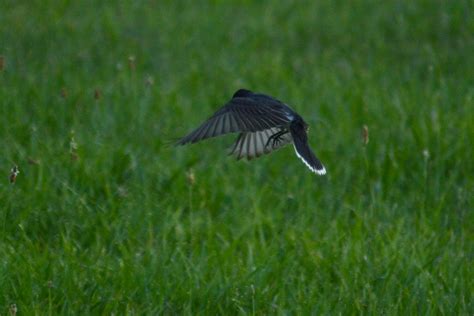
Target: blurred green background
x=107, y=217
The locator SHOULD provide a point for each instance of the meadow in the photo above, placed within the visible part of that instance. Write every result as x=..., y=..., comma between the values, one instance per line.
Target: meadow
x=107, y=217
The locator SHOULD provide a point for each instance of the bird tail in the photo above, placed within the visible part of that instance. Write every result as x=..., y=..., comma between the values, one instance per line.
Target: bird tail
x=300, y=142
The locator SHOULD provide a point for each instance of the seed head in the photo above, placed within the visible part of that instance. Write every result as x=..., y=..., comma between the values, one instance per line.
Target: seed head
x=73, y=148
x=2, y=63
x=190, y=177
x=97, y=94
x=131, y=62
x=426, y=154
x=14, y=173
x=13, y=309
x=365, y=134
x=122, y=191
x=149, y=81
x=64, y=93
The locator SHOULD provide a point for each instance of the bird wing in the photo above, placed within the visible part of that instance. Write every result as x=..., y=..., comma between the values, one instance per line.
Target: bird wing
x=251, y=145
x=241, y=114
x=304, y=152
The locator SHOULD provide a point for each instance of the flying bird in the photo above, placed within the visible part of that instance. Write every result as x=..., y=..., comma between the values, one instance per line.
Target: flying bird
x=264, y=124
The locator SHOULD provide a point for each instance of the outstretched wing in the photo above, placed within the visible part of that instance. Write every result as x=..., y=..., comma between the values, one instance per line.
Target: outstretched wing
x=245, y=112
x=253, y=145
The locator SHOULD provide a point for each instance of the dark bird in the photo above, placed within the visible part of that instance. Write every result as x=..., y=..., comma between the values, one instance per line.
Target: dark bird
x=264, y=124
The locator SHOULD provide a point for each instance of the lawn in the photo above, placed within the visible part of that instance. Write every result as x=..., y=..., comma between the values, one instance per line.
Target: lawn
x=107, y=217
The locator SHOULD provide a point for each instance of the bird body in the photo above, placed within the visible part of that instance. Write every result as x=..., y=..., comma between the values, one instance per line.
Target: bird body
x=264, y=124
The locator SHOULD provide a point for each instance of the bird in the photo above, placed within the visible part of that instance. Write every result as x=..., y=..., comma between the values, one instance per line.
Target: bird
x=264, y=124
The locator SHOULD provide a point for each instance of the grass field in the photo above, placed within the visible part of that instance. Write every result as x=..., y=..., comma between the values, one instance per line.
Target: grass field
x=106, y=217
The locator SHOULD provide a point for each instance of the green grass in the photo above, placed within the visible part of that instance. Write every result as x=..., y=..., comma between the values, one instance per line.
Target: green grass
x=120, y=229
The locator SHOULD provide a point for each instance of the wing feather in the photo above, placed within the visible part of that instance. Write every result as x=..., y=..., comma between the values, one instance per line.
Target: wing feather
x=205, y=132
x=262, y=143
x=233, y=124
x=249, y=145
